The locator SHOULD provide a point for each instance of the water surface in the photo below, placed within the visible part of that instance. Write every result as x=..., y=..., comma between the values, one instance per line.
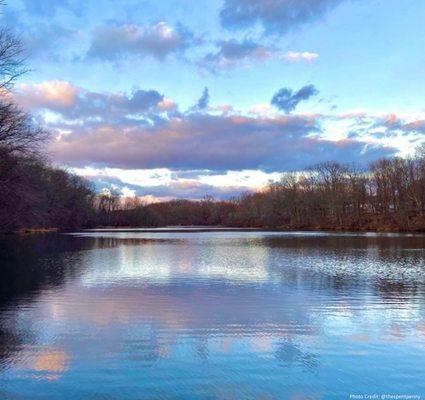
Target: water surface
x=211, y=315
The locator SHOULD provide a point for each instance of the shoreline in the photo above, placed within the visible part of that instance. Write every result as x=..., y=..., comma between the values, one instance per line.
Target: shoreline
x=200, y=229
x=236, y=229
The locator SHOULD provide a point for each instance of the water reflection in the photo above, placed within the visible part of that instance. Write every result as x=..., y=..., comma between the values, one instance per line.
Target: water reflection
x=222, y=315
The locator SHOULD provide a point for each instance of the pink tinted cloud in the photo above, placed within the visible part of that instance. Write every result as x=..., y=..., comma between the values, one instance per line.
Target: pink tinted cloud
x=146, y=130
x=296, y=56
x=72, y=102
x=49, y=94
x=209, y=142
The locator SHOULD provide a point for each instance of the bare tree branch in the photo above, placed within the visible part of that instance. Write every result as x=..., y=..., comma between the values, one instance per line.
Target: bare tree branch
x=12, y=61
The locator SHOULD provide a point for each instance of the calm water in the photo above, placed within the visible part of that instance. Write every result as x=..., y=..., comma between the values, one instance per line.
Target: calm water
x=211, y=315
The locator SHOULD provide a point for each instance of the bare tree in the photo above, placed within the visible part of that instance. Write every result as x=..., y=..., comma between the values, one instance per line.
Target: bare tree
x=11, y=59
x=18, y=133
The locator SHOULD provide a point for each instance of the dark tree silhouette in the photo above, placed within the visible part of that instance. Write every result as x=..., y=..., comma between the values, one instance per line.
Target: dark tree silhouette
x=32, y=193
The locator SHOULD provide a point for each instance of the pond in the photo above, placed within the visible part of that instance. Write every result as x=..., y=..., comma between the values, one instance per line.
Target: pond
x=187, y=314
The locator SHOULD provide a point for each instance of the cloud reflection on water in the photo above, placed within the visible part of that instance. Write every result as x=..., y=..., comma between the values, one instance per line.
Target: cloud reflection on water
x=223, y=314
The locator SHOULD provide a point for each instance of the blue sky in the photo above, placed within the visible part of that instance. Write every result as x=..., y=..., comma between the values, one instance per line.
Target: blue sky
x=119, y=83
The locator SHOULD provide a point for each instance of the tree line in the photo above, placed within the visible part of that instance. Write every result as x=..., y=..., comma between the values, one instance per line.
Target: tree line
x=389, y=195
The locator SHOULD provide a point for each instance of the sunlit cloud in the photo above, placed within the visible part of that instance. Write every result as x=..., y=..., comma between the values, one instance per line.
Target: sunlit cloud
x=159, y=184
x=48, y=94
x=295, y=56
x=137, y=177
x=75, y=103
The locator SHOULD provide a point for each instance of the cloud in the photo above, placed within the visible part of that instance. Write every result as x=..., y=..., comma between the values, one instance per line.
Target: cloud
x=275, y=16
x=294, y=56
x=286, y=100
x=165, y=183
x=191, y=190
x=393, y=123
x=203, y=141
x=170, y=184
x=157, y=40
x=167, y=104
x=72, y=102
x=132, y=177
x=204, y=100
x=415, y=126
x=232, y=53
x=145, y=130
x=55, y=95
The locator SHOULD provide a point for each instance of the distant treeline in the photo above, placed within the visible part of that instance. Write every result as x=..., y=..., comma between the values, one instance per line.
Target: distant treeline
x=388, y=196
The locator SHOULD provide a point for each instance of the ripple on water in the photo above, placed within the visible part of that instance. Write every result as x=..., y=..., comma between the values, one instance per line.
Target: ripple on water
x=213, y=315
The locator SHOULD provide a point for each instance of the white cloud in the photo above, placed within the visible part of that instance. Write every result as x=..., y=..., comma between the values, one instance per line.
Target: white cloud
x=127, y=192
x=295, y=56
x=252, y=179
x=137, y=177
